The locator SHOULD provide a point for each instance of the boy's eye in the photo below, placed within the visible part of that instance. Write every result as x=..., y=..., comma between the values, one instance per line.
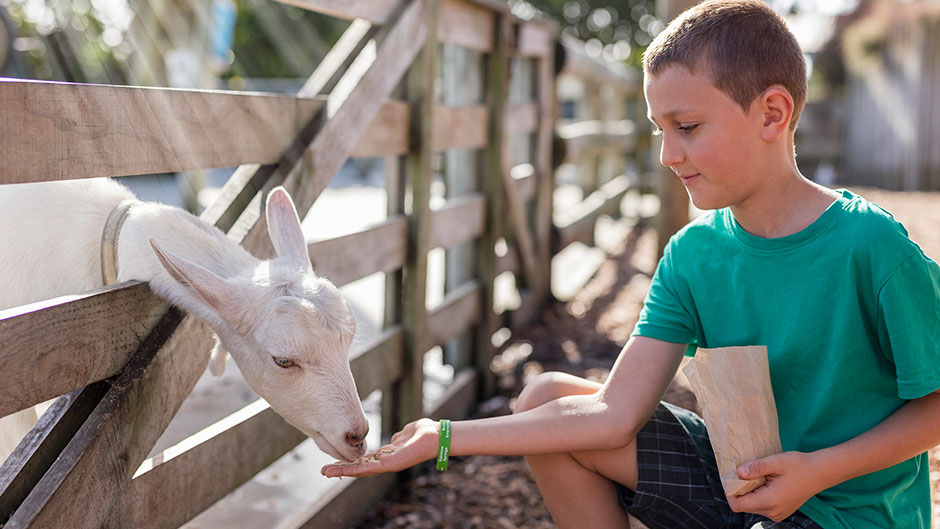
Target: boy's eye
x=688, y=128
x=283, y=363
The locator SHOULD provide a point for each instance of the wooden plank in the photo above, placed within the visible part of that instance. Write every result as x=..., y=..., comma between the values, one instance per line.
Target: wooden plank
x=522, y=235
x=536, y=39
x=522, y=118
x=345, y=259
x=31, y=459
x=387, y=134
x=508, y=262
x=97, y=130
x=378, y=12
x=58, y=345
x=462, y=80
x=591, y=137
x=459, y=310
x=495, y=97
x=459, y=127
x=466, y=24
x=454, y=128
x=526, y=184
x=578, y=224
x=344, y=504
x=463, y=23
x=460, y=220
x=232, y=451
x=544, y=171
x=101, y=458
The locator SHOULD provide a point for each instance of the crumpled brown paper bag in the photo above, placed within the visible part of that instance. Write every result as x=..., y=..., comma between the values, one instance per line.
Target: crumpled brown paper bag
x=733, y=386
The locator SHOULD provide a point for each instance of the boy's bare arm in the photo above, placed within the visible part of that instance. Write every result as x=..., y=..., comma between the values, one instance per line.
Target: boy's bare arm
x=794, y=477
x=607, y=419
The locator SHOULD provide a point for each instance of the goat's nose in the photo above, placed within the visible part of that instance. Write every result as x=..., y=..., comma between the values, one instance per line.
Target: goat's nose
x=355, y=438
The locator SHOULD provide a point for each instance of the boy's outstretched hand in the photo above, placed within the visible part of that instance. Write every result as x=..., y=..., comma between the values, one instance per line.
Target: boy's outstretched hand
x=416, y=442
x=792, y=478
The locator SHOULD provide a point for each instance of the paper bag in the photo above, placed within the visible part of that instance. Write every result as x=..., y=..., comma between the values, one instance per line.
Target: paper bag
x=733, y=386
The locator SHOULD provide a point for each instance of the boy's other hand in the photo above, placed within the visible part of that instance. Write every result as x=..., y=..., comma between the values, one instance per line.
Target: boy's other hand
x=792, y=478
x=416, y=442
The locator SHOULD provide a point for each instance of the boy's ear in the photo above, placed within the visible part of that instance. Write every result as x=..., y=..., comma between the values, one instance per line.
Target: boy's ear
x=776, y=112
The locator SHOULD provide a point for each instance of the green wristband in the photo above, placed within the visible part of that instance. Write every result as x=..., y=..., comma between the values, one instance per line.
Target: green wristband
x=443, y=450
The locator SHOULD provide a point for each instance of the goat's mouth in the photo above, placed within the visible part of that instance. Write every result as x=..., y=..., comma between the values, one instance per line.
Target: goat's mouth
x=348, y=455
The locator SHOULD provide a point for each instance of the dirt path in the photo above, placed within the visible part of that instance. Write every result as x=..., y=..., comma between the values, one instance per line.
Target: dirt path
x=582, y=337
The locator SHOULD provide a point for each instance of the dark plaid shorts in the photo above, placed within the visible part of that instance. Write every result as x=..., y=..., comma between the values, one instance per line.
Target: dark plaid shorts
x=678, y=485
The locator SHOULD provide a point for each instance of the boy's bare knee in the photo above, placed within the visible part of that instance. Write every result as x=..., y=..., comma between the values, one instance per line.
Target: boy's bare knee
x=551, y=385
x=537, y=392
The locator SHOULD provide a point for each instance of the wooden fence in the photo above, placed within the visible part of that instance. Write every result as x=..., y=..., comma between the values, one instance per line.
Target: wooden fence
x=123, y=360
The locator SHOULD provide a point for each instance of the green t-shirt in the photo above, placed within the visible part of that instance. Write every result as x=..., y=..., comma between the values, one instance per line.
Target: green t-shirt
x=849, y=309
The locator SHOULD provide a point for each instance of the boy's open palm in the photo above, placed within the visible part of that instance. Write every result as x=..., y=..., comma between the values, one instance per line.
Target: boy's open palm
x=792, y=478
x=416, y=442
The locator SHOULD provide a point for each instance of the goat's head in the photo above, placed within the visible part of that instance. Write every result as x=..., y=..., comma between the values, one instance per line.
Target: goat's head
x=288, y=330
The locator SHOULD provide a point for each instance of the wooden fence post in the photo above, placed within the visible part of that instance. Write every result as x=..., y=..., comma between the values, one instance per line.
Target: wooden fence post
x=544, y=171
x=421, y=97
x=497, y=84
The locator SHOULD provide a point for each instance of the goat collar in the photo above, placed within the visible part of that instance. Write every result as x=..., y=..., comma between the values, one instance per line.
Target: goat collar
x=109, y=241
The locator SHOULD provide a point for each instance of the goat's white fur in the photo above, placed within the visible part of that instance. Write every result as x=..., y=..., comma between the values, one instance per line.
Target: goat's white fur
x=51, y=234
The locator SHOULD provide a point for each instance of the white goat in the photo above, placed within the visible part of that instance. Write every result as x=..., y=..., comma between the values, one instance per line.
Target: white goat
x=288, y=330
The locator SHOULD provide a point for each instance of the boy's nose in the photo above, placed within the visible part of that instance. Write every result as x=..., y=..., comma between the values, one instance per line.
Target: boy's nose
x=669, y=154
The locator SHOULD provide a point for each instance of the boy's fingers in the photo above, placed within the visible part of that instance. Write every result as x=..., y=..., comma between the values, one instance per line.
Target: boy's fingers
x=765, y=466
x=751, y=502
x=353, y=470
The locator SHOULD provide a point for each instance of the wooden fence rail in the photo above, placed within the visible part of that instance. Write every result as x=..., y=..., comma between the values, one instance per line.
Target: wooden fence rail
x=123, y=360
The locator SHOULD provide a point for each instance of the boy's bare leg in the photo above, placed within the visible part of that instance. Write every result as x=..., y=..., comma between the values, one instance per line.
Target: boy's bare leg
x=578, y=488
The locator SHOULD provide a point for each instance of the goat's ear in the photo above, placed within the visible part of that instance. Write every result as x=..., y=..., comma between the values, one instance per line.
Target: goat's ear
x=208, y=288
x=284, y=227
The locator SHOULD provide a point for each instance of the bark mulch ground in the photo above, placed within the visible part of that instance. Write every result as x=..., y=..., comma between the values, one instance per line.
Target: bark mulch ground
x=583, y=337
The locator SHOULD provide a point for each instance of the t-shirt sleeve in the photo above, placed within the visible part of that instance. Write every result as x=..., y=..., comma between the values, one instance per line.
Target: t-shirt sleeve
x=664, y=315
x=909, y=325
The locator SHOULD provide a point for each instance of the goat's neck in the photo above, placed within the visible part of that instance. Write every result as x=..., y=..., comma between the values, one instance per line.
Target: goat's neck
x=180, y=233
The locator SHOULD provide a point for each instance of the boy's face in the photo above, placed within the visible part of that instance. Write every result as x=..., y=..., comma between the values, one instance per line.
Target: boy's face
x=708, y=140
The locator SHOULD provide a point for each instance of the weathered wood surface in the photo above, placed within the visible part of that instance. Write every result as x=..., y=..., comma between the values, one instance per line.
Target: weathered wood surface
x=91, y=130
x=421, y=96
x=493, y=167
x=462, y=22
x=26, y=465
x=459, y=310
x=345, y=259
x=466, y=24
x=459, y=127
x=460, y=220
x=81, y=339
x=536, y=39
x=578, y=222
x=522, y=117
x=591, y=137
x=454, y=128
x=99, y=462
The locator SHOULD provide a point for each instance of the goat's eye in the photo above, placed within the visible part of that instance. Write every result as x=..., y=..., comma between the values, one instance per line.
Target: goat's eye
x=284, y=363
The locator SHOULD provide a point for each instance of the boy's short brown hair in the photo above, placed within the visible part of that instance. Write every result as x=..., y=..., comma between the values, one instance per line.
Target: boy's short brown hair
x=743, y=45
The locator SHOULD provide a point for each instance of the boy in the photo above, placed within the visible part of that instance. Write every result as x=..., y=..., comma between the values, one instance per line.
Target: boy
x=846, y=304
